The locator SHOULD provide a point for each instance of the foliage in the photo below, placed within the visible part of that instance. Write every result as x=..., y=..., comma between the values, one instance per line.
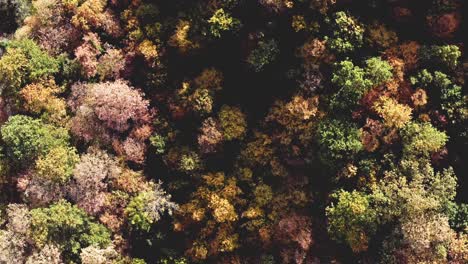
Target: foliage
x=147, y=207
x=232, y=122
x=348, y=34
x=337, y=140
x=447, y=56
x=285, y=131
x=264, y=54
x=378, y=71
x=352, y=84
x=67, y=226
x=57, y=165
x=422, y=138
x=222, y=21
x=27, y=138
x=393, y=113
x=24, y=62
x=351, y=220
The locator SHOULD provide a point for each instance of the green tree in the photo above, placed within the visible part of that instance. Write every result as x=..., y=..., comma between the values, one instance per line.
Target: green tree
x=58, y=164
x=338, y=141
x=351, y=82
x=421, y=138
x=68, y=227
x=26, y=138
x=348, y=33
x=24, y=62
x=446, y=56
x=147, y=207
x=351, y=220
x=264, y=54
x=378, y=71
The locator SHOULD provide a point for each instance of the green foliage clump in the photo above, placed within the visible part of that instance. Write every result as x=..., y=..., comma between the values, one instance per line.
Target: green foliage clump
x=422, y=139
x=351, y=220
x=68, y=227
x=348, y=34
x=378, y=71
x=458, y=216
x=338, y=141
x=222, y=21
x=24, y=62
x=452, y=99
x=147, y=208
x=264, y=54
x=27, y=138
x=351, y=82
x=159, y=143
x=446, y=56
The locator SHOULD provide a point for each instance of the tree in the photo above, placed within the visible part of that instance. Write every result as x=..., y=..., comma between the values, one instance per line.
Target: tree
x=210, y=137
x=13, y=240
x=57, y=165
x=351, y=83
x=27, y=138
x=42, y=98
x=49, y=254
x=421, y=138
x=265, y=53
x=232, y=122
x=222, y=21
x=352, y=219
x=87, y=54
x=348, y=34
x=24, y=62
x=116, y=104
x=338, y=141
x=147, y=207
x=68, y=227
x=296, y=232
x=91, y=175
x=447, y=56
x=394, y=114
x=378, y=71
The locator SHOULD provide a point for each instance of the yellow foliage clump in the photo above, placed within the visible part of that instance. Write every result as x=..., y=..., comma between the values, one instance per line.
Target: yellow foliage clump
x=180, y=38
x=149, y=50
x=42, y=97
x=395, y=115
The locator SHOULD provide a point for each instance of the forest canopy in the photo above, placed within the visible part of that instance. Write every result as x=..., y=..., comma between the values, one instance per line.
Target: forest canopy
x=233, y=131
